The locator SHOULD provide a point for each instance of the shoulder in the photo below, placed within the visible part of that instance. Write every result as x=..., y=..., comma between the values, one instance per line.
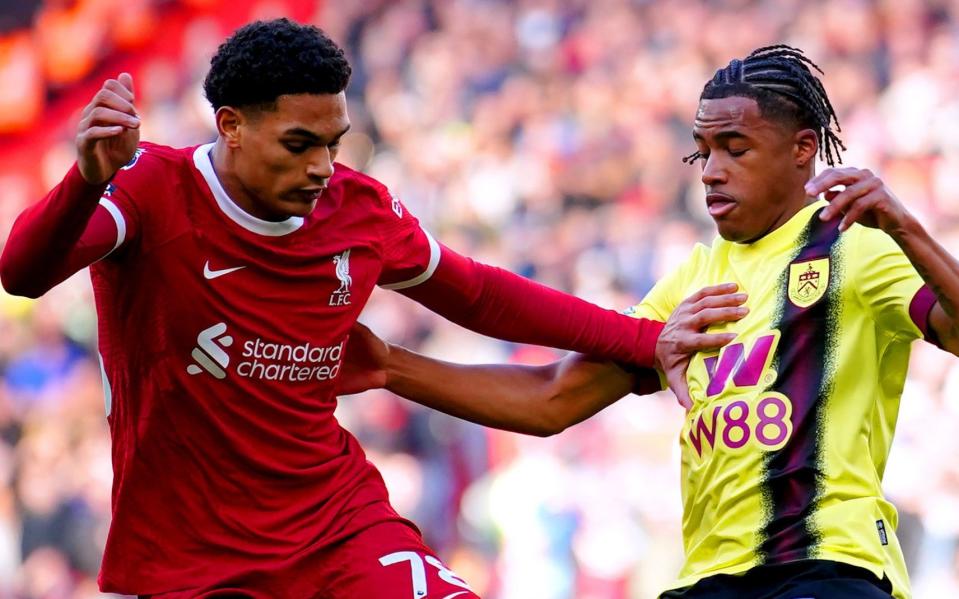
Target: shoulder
x=361, y=190
x=866, y=247
x=700, y=256
x=356, y=183
x=153, y=165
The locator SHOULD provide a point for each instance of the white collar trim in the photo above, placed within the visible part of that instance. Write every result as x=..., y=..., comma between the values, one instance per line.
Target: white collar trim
x=201, y=158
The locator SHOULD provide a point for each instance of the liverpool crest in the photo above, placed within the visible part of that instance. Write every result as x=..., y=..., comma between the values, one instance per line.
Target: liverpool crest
x=341, y=297
x=808, y=281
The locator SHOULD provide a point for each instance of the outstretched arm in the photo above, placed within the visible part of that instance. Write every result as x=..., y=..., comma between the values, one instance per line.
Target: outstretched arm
x=868, y=201
x=498, y=303
x=70, y=229
x=537, y=400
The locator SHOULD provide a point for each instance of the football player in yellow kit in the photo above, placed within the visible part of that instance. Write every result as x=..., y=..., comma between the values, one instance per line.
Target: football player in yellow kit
x=789, y=427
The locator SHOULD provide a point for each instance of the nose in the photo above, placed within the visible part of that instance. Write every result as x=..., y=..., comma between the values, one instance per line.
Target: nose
x=320, y=166
x=714, y=172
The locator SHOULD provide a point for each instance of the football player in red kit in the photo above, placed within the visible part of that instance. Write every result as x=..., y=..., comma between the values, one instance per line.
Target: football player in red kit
x=227, y=278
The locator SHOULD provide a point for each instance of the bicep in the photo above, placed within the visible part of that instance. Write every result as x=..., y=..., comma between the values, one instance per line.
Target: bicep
x=944, y=330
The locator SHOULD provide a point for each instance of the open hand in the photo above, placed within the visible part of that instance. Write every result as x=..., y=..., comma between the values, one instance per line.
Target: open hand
x=684, y=333
x=109, y=131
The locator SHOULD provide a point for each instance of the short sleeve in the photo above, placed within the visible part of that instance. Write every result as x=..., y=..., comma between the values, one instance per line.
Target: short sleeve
x=889, y=286
x=660, y=302
x=669, y=291
x=410, y=254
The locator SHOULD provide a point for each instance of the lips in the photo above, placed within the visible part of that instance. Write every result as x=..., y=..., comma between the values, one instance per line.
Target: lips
x=719, y=204
x=310, y=195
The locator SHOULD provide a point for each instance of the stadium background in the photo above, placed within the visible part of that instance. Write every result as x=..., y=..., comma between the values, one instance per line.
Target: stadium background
x=541, y=135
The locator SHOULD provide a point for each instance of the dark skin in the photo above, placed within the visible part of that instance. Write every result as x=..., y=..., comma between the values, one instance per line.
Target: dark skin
x=273, y=161
x=764, y=169
x=754, y=168
x=758, y=173
x=536, y=400
x=866, y=200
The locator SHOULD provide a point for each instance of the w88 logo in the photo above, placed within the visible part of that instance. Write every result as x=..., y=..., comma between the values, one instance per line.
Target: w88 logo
x=763, y=422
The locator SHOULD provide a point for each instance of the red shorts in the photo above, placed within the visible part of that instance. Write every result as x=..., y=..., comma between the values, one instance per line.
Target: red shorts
x=386, y=561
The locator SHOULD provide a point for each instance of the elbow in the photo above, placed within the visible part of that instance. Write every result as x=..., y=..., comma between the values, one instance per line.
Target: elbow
x=547, y=428
x=553, y=420
x=15, y=283
x=549, y=431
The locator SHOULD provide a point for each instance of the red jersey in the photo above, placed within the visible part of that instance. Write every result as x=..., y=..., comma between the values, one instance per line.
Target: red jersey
x=220, y=351
x=221, y=337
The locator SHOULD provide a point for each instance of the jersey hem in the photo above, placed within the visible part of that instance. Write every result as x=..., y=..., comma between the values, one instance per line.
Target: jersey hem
x=876, y=569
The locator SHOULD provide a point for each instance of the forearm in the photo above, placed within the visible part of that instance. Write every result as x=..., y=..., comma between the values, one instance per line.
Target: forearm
x=536, y=400
x=940, y=270
x=500, y=304
x=40, y=250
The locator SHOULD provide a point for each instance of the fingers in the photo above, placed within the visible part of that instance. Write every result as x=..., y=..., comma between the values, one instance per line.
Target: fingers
x=707, y=341
x=103, y=116
x=860, y=209
x=712, y=290
x=107, y=98
x=710, y=316
x=359, y=328
x=126, y=81
x=840, y=203
x=720, y=301
x=676, y=379
x=91, y=134
x=832, y=177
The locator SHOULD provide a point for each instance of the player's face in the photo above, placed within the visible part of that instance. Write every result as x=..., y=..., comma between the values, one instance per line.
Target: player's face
x=283, y=158
x=753, y=168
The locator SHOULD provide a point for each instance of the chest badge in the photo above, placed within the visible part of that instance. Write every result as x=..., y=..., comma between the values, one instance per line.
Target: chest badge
x=341, y=297
x=808, y=281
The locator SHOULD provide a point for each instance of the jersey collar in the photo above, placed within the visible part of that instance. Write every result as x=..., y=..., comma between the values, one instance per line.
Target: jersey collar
x=785, y=235
x=201, y=158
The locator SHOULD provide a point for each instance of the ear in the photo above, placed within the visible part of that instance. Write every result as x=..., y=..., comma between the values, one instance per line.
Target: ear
x=805, y=147
x=229, y=121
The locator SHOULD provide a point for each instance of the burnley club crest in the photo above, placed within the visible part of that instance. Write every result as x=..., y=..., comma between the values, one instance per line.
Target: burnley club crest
x=808, y=281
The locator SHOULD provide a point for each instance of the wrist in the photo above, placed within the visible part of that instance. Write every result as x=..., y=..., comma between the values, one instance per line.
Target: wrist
x=89, y=179
x=393, y=365
x=907, y=230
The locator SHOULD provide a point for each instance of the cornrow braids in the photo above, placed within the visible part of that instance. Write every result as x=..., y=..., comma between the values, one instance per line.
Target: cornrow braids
x=779, y=78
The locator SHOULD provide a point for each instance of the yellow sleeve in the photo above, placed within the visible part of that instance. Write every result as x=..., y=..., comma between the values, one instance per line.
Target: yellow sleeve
x=670, y=291
x=888, y=284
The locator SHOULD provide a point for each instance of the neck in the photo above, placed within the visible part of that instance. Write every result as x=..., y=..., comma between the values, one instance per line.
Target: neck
x=224, y=166
x=792, y=204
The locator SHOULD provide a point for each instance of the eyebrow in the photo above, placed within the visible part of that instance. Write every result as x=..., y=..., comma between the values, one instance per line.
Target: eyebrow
x=313, y=136
x=722, y=135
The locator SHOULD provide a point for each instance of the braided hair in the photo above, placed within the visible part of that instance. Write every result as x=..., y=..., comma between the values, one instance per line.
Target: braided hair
x=780, y=80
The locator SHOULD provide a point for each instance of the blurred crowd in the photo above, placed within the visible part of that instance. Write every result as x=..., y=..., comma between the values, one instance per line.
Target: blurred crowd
x=544, y=136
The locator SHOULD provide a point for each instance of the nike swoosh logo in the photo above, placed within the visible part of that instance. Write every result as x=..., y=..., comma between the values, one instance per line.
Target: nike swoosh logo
x=451, y=595
x=209, y=274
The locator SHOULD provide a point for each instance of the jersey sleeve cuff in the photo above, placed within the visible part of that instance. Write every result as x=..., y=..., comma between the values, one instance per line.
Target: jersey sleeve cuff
x=919, y=309
x=76, y=185
x=424, y=276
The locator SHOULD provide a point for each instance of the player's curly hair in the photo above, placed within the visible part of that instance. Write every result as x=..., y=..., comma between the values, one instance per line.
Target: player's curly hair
x=780, y=80
x=264, y=60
